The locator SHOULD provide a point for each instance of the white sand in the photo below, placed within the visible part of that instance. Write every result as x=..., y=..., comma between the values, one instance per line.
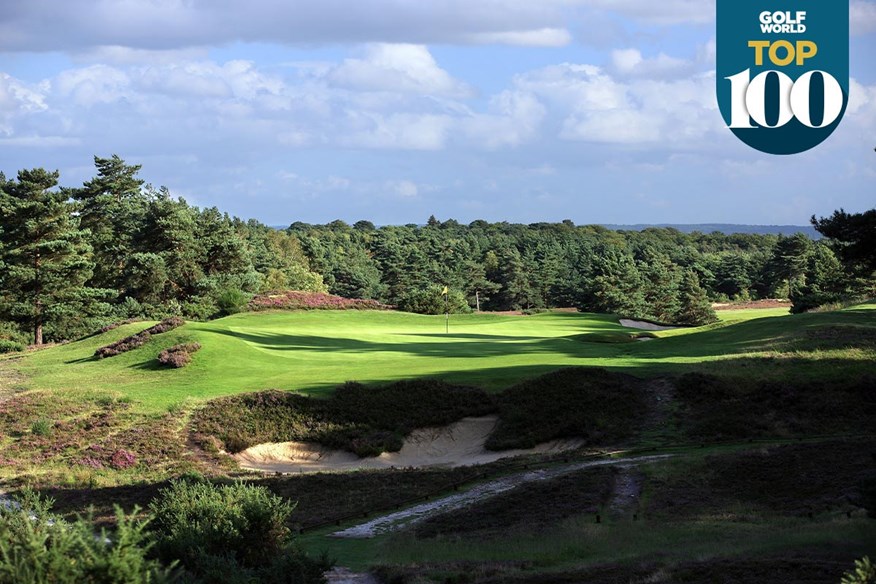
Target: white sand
x=644, y=326
x=459, y=444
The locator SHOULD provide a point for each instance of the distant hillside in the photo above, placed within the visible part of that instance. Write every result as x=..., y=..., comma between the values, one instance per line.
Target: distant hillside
x=727, y=228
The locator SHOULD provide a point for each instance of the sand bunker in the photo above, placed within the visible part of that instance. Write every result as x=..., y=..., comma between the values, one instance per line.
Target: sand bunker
x=644, y=326
x=459, y=444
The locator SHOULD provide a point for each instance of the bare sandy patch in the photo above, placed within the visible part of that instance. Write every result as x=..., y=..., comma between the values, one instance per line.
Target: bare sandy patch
x=459, y=444
x=644, y=326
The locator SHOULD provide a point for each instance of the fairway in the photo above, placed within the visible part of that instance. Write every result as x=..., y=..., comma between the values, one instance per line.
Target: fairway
x=314, y=351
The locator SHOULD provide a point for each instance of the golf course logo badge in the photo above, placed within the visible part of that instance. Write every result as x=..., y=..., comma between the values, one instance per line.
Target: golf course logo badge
x=782, y=71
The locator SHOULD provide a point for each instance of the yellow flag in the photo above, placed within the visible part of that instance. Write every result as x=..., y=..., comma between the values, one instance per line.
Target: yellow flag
x=445, y=291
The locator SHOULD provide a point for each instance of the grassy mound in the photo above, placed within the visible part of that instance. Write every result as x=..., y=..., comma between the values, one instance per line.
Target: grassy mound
x=599, y=406
x=731, y=407
x=596, y=405
x=366, y=421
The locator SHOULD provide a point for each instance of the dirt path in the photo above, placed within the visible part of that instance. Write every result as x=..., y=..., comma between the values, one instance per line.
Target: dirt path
x=660, y=396
x=626, y=492
x=344, y=576
x=413, y=515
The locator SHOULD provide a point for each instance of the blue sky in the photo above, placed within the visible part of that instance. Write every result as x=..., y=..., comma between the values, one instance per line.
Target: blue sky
x=599, y=111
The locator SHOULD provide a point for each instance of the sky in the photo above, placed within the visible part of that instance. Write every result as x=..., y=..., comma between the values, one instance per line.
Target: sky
x=598, y=111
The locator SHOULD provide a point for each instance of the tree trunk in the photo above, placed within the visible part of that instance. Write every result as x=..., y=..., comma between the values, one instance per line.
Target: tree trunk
x=38, y=333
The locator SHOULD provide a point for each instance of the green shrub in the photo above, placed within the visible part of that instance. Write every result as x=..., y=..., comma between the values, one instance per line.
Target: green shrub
x=864, y=573
x=11, y=332
x=241, y=521
x=38, y=547
x=229, y=533
x=432, y=300
x=231, y=301
x=7, y=346
x=42, y=427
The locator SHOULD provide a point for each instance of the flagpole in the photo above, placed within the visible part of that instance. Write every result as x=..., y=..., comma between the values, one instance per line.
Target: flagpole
x=446, y=311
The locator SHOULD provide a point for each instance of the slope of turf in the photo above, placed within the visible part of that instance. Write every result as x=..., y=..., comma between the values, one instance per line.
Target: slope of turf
x=315, y=351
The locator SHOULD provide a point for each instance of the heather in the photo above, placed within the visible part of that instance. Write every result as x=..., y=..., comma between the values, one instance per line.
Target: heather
x=136, y=341
x=296, y=300
x=178, y=356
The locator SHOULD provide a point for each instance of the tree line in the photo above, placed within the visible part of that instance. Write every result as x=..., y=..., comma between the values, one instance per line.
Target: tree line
x=74, y=258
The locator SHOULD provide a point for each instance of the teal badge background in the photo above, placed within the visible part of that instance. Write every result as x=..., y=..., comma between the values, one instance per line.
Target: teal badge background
x=738, y=22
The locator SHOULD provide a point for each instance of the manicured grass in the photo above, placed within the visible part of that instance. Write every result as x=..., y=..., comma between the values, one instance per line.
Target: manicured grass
x=315, y=351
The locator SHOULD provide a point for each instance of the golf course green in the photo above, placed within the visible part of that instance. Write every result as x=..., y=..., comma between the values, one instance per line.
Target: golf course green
x=314, y=351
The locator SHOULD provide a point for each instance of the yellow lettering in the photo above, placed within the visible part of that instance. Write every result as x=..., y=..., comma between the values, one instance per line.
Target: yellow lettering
x=805, y=50
x=774, y=53
x=758, y=47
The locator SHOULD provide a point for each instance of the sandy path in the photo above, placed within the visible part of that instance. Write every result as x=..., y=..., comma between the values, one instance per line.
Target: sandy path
x=644, y=326
x=459, y=444
x=340, y=575
x=413, y=515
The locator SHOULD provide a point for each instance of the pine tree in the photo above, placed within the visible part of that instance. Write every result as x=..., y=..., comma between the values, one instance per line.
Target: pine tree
x=696, y=310
x=111, y=207
x=47, y=260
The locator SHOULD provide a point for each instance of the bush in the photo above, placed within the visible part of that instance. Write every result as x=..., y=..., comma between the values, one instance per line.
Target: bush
x=244, y=522
x=200, y=308
x=7, y=346
x=11, y=332
x=229, y=533
x=37, y=546
x=432, y=301
x=231, y=301
x=140, y=339
x=864, y=573
x=178, y=355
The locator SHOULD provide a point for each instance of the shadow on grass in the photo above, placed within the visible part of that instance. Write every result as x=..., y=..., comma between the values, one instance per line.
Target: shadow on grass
x=467, y=345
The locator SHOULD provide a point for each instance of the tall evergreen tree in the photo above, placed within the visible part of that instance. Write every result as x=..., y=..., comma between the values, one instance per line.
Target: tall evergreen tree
x=46, y=258
x=111, y=207
x=696, y=310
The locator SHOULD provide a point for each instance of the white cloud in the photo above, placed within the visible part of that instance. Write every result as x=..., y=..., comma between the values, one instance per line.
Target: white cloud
x=514, y=117
x=630, y=62
x=668, y=12
x=18, y=98
x=39, y=25
x=398, y=68
x=544, y=37
x=403, y=188
x=403, y=131
x=94, y=84
x=862, y=17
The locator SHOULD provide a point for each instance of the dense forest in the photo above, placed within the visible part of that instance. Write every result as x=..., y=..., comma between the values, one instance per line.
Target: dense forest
x=73, y=259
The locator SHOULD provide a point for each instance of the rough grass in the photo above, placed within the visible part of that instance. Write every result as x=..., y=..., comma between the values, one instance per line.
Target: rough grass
x=531, y=507
x=804, y=566
x=730, y=407
x=593, y=404
x=790, y=480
